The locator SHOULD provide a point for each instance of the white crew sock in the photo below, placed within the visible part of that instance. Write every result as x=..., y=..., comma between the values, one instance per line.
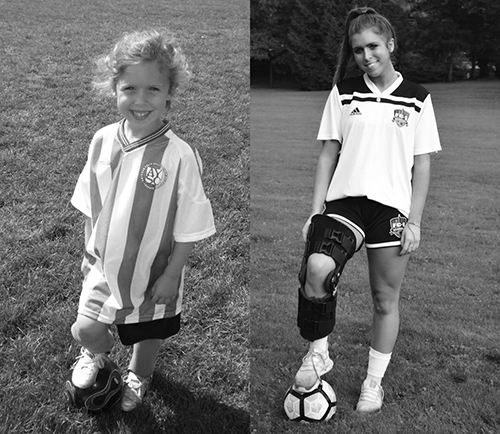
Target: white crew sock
x=377, y=365
x=319, y=345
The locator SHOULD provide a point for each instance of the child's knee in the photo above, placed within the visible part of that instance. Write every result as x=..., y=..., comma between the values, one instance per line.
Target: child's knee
x=87, y=331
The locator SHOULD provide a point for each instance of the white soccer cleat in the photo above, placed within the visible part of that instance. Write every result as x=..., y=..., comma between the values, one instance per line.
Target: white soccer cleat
x=315, y=364
x=371, y=397
x=86, y=368
x=134, y=389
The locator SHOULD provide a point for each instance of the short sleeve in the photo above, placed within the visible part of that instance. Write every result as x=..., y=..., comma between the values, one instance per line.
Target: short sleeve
x=194, y=219
x=426, y=131
x=81, y=195
x=330, y=122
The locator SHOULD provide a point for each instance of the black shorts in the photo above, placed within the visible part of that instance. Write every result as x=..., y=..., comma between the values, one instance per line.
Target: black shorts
x=130, y=334
x=381, y=225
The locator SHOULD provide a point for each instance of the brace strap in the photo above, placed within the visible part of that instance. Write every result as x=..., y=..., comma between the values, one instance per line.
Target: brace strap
x=315, y=317
x=332, y=238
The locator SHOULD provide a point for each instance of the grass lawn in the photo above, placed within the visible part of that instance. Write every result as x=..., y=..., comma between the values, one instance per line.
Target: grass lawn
x=49, y=114
x=443, y=377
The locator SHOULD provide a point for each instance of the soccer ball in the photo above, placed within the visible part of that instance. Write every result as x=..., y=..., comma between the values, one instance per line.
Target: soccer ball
x=103, y=394
x=317, y=405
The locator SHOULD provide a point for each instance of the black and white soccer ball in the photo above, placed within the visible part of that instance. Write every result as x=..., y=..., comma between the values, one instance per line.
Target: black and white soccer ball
x=319, y=404
x=103, y=394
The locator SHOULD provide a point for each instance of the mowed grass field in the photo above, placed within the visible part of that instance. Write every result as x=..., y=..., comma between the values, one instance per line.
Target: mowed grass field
x=49, y=114
x=443, y=377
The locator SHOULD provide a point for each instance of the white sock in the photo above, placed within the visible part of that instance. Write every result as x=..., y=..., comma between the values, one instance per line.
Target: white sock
x=377, y=365
x=319, y=344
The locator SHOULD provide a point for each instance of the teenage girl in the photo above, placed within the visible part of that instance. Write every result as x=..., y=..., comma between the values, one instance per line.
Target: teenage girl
x=378, y=131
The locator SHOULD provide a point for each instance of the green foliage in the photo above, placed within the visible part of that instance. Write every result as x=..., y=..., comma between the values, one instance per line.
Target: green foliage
x=301, y=38
x=313, y=41
x=269, y=21
x=316, y=31
x=471, y=26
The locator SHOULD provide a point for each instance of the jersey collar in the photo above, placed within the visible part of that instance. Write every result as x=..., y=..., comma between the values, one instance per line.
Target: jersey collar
x=373, y=87
x=127, y=146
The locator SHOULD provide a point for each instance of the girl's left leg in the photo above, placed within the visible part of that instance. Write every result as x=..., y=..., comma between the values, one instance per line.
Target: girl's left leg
x=144, y=357
x=141, y=369
x=386, y=270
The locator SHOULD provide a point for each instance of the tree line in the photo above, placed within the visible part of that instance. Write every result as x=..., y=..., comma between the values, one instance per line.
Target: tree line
x=438, y=40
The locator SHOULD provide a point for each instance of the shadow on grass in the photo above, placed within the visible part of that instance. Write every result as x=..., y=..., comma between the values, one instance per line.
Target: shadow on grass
x=172, y=408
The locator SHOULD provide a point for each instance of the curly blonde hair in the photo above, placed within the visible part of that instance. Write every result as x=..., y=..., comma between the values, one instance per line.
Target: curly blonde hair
x=142, y=46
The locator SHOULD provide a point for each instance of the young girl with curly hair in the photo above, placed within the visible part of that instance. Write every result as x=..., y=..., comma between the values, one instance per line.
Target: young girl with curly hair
x=144, y=205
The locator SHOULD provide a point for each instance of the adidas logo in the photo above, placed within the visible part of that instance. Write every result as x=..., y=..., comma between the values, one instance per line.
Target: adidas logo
x=355, y=112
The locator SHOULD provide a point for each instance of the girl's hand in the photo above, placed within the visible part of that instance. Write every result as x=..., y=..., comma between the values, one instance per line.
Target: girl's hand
x=305, y=229
x=164, y=290
x=410, y=239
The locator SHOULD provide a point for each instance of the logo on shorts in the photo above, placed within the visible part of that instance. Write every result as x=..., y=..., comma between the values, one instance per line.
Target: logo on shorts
x=153, y=175
x=401, y=118
x=397, y=226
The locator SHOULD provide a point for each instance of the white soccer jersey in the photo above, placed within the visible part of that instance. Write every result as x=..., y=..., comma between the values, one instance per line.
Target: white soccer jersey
x=380, y=133
x=140, y=197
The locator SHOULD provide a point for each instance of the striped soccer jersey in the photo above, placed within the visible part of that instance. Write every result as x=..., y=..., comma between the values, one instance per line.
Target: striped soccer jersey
x=141, y=197
x=380, y=134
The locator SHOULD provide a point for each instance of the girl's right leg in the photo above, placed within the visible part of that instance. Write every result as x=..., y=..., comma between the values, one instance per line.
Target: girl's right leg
x=317, y=361
x=96, y=340
x=93, y=335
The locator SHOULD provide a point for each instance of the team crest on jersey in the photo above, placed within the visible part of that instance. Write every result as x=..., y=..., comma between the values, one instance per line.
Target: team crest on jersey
x=153, y=175
x=401, y=118
x=397, y=226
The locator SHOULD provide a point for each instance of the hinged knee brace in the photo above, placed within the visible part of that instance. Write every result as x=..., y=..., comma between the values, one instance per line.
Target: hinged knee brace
x=316, y=319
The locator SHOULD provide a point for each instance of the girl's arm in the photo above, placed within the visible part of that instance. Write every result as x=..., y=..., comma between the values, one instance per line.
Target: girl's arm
x=88, y=229
x=165, y=288
x=410, y=240
x=327, y=162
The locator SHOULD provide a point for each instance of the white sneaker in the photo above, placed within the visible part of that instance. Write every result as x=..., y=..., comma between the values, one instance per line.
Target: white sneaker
x=315, y=364
x=134, y=389
x=371, y=397
x=86, y=368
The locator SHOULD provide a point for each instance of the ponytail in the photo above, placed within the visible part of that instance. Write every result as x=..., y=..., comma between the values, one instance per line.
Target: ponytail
x=357, y=20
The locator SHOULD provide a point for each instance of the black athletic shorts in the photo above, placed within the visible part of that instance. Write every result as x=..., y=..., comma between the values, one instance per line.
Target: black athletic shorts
x=381, y=225
x=130, y=334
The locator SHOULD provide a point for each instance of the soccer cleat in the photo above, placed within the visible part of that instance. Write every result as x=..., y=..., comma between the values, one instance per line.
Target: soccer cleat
x=134, y=389
x=315, y=364
x=86, y=368
x=371, y=397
